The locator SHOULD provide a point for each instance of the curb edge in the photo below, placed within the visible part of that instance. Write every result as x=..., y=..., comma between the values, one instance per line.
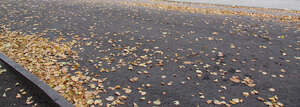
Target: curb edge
x=35, y=81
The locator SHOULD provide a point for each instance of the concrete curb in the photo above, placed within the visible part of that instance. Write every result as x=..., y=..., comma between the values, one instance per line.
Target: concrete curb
x=39, y=87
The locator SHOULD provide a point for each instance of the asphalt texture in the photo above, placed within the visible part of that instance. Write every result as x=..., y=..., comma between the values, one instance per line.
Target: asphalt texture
x=15, y=92
x=112, y=36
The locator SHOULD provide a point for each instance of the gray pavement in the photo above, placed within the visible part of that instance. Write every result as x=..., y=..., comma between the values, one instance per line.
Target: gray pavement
x=177, y=57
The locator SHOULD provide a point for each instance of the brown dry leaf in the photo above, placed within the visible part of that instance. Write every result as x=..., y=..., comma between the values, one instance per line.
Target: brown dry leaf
x=246, y=94
x=220, y=54
x=110, y=98
x=209, y=101
x=176, y=102
x=18, y=95
x=130, y=67
x=215, y=33
x=127, y=90
x=135, y=105
x=271, y=89
x=235, y=79
x=117, y=87
x=157, y=102
x=4, y=95
x=248, y=81
x=260, y=99
x=188, y=62
x=235, y=101
x=134, y=79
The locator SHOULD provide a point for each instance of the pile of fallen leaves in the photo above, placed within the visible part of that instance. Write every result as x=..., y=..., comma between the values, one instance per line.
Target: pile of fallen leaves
x=43, y=58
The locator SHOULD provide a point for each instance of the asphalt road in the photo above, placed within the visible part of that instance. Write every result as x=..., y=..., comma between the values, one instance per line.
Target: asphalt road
x=174, y=55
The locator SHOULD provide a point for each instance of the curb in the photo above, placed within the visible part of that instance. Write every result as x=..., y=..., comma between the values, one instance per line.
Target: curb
x=38, y=86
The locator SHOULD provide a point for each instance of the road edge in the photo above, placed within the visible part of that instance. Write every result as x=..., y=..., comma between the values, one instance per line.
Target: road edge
x=38, y=85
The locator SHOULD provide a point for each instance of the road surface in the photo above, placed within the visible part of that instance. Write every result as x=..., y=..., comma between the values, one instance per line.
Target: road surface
x=155, y=57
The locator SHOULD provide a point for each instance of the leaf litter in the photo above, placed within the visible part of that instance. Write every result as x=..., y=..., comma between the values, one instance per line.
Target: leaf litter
x=55, y=73
x=41, y=57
